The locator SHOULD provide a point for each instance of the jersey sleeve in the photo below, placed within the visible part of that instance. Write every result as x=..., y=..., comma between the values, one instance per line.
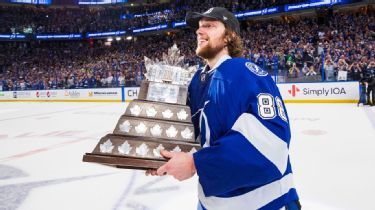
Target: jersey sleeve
x=251, y=145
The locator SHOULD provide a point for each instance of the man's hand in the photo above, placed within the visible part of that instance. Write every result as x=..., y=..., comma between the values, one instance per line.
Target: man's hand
x=180, y=166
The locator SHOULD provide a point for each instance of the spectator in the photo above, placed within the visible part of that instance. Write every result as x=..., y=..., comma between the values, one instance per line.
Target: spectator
x=355, y=72
x=305, y=69
x=294, y=71
x=311, y=71
x=329, y=68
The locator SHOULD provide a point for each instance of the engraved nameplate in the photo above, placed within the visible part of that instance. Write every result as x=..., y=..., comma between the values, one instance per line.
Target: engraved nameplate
x=162, y=92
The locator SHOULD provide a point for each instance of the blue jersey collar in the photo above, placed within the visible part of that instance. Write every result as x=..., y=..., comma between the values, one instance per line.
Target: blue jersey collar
x=218, y=63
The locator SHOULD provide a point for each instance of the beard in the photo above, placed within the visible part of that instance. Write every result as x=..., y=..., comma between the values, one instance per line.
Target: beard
x=209, y=51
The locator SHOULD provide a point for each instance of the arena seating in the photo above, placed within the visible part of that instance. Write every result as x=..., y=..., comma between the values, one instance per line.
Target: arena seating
x=300, y=49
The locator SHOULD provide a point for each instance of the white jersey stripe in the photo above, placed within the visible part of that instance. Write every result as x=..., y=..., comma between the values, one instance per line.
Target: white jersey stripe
x=266, y=142
x=252, y=200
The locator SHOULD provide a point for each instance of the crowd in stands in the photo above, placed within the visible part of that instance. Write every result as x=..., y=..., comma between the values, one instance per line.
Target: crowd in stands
x=42, y=20
x=77, y=64
x=349, y=41
x=303, y=48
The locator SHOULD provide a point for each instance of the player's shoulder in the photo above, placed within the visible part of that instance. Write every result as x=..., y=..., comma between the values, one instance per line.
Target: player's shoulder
x=196, y=74
x=240, y=68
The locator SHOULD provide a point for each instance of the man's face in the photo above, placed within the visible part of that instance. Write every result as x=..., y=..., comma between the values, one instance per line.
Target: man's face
x=210, y=38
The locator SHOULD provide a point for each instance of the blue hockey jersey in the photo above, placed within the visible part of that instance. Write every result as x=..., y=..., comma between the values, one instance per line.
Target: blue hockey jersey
x=243, y=127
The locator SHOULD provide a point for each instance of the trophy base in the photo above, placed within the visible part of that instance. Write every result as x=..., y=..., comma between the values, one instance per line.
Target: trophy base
x=124, y=162
x=135, y=152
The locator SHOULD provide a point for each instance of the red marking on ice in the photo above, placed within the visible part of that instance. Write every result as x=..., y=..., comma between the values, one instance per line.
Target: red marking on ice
x=43, y=149
x=23, y=135
x=53, y=133
x=27, y=153
x=3, y=136
x=69, y=133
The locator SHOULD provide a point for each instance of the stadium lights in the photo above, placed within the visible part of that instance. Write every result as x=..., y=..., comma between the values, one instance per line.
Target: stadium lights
x=129, y=38
x=110, y=39
x=118, y=38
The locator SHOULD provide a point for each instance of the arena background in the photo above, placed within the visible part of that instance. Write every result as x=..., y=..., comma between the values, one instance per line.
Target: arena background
x=54, y=52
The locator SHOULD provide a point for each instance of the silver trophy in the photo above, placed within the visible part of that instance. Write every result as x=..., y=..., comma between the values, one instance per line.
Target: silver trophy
x=158, y=120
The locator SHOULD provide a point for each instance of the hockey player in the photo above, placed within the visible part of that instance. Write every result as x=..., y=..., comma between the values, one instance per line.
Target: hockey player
x=370, y=78
x=371, y=91
x=241, y=122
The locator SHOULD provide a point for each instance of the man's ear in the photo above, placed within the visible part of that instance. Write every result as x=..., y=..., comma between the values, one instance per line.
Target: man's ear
x=226, y=40
x=229, y=37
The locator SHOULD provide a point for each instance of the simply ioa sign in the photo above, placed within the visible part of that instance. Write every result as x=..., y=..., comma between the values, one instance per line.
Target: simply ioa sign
x=320, y=92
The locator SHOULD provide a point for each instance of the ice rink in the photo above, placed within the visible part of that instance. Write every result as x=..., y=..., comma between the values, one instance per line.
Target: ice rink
x=41, y=168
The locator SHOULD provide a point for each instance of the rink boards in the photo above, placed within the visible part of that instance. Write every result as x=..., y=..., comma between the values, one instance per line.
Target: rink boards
x=327, y=92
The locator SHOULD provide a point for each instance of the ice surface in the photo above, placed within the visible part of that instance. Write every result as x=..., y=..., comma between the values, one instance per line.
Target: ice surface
x=41, y=148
